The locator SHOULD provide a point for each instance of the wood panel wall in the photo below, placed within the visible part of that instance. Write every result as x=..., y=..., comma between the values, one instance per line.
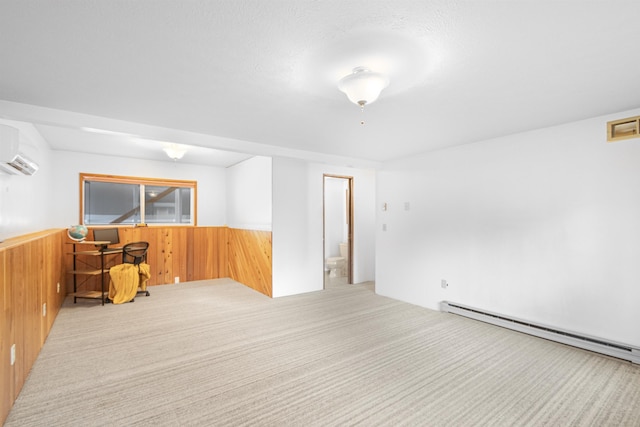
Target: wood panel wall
x=188, y=253
x=32, y=266
x=30, y=269
x=250, y=259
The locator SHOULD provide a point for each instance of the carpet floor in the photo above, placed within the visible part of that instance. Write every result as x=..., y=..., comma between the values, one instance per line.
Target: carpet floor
x=216, y=353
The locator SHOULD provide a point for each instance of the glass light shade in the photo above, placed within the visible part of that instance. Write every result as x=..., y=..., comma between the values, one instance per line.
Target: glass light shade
x=174, y=151
x=363, y=86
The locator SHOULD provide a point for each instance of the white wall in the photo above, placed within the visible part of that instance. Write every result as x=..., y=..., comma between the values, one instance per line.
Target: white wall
x=298, y=263
x=68, y=166
x=543, y=225
x=26, y=202
x=249, y=194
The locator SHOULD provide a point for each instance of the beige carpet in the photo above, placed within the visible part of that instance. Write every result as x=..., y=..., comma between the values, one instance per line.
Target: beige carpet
x=217, y=353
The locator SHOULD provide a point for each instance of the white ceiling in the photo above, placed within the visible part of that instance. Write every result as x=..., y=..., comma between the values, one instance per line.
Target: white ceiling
x=260, y=77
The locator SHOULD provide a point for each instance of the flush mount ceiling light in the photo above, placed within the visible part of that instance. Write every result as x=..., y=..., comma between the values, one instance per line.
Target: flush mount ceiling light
x=363, y=86
x=174, y=151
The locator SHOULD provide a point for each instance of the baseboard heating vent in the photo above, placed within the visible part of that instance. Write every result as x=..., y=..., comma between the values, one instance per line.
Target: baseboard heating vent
x=598, y=345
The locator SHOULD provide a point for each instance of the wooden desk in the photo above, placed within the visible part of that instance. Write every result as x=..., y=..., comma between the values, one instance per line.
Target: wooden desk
x=102, y=252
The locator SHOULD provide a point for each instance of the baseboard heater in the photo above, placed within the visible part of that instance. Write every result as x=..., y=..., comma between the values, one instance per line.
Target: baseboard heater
x=598, y=345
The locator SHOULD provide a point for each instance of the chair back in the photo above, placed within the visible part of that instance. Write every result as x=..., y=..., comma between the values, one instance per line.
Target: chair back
x=135, y=252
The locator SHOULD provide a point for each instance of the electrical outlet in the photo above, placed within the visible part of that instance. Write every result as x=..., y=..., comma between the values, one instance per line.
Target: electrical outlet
x=13, y=355
x=384, y=227
x=444, y=284
x=176, y=279
x=44, y=310
x=58, y=289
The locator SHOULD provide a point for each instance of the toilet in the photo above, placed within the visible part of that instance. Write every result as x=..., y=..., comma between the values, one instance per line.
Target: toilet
x=337, y=265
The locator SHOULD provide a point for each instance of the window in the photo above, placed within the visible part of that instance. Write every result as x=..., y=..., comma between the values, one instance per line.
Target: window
x=107, y=199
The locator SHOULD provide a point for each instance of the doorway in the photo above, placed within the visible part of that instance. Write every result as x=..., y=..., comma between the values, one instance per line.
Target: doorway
x=338, y=230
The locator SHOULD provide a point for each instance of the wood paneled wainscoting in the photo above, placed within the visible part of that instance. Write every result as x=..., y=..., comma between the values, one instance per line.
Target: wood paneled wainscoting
x=175, y=253
x=31, y=267
x=192, y=253
x=186, y=253
x=250, y=259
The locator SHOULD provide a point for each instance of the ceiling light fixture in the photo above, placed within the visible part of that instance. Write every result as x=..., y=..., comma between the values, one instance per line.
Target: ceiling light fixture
x=174, y=151
x=363, y=86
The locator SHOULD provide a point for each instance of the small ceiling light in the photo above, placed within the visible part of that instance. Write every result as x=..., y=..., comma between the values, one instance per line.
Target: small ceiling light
x=174, y=151
x=363, y=86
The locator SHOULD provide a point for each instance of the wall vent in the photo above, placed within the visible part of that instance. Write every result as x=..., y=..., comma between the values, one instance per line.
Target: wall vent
x=618, y=130
x=598, y=345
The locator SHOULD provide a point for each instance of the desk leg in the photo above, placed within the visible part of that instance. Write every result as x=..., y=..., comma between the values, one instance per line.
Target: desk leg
x=75, y=277
x=102, y=277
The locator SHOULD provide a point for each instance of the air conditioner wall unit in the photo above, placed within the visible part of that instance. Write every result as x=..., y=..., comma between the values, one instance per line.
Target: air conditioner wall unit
x=19, y=165
x=11, y=160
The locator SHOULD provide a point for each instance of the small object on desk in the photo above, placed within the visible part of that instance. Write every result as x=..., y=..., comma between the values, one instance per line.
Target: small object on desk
x=108, y=235
x=77, y=233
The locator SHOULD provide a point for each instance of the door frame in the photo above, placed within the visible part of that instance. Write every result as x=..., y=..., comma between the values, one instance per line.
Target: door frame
x=350, y=217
